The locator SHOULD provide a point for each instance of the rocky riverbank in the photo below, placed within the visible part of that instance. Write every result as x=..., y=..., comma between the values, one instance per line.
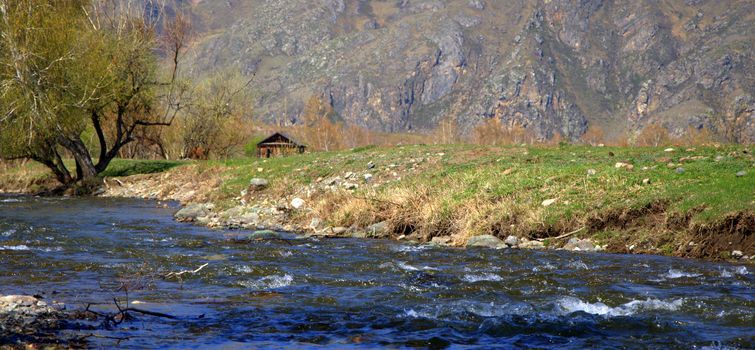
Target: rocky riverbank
x=686, y=202
x=30, y=322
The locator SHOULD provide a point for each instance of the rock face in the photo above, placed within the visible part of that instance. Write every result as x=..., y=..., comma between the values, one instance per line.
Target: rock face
x=553, y=67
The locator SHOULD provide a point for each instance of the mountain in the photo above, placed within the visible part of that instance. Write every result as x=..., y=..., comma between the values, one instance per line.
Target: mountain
x=552, y=66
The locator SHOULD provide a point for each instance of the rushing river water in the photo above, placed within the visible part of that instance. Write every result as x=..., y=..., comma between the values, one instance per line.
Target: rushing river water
x=302, y=292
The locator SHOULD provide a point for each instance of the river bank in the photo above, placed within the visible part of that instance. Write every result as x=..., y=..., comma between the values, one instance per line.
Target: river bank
x=686, y=202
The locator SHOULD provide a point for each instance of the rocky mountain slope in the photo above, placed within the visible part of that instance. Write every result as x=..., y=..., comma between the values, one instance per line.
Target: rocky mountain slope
x=553, y=66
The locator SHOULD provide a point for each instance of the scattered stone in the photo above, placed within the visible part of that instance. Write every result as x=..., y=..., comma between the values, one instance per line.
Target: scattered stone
x=508, y=171
x=192, y=212
x=297, y=203
x=370, y=165
x=348, y=175
x=477, y=4
x=333, y=181
x=737, y=254
x=577, y=244
x=591, y=172
x=315, y=223
x=26, y=304
x=359, y=234
x=257, y=184
x=741, y=173
x=549, y=202
x=719, y=158
x=512, y=241
x=339, y=230
x=669, y=150
x=350, y=186
x=679, y=170
x=367, y=177
x=532, y=245
x=646, y=181
x=487, y=241
x=249, y=219
x=379, y=229
x=441, y=241
x=624, y=165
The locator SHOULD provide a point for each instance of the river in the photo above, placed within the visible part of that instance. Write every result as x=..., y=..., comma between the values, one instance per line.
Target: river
x=303, y=292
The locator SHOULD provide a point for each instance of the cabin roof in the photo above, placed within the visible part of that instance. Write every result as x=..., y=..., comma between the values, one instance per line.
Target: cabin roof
x=274, y=139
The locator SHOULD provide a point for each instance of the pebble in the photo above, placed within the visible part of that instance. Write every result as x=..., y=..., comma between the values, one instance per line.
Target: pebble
x=297, y=203
x=646, y=181
x=367, y=177
x=591, y=172
x=737, y=254
x=669, y=150
x=741, y=173
x=549, y=202
x=679, y=170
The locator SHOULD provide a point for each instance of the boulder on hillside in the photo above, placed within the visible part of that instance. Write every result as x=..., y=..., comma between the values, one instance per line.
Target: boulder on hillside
x=257, y=184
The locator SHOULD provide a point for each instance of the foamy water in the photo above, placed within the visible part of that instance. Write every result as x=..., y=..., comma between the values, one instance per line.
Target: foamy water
x=570, y=304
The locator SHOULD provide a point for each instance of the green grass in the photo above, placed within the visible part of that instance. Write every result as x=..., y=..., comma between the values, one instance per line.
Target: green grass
x=128, y=167
x=466, y=172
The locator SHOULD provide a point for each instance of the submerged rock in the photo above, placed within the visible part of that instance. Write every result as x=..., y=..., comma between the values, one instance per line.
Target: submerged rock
x=487, y=241
x=264, y=234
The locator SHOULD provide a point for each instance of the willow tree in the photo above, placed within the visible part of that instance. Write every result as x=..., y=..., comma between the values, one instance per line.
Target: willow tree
x=71, y=66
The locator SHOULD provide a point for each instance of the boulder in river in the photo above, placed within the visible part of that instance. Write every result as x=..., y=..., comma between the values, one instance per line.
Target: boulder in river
x=264, y=234
x=487, y=241
x=192, y=212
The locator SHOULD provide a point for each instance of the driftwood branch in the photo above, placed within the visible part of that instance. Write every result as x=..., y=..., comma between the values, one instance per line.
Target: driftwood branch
x=564, y=235
x=172, y=274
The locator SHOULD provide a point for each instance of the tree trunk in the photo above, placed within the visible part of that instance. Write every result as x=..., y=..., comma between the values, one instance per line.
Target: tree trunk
x=84, y=166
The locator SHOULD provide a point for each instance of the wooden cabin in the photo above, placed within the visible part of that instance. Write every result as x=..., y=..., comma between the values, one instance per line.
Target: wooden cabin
x=278, y=145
